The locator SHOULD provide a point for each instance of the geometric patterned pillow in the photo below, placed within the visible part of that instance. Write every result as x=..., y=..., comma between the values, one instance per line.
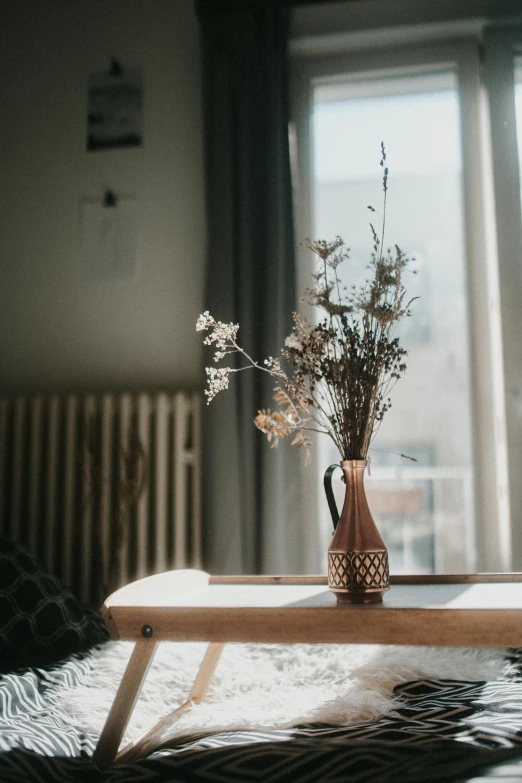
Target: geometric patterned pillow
x=40, y=620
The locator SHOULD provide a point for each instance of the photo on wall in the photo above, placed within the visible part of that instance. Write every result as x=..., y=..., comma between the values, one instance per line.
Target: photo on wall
x=114, y=115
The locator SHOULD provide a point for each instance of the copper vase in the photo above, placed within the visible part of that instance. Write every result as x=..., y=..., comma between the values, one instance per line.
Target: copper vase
x=358, y=569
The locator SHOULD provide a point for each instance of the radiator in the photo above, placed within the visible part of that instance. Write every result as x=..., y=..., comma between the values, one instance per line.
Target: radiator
x=105, y=489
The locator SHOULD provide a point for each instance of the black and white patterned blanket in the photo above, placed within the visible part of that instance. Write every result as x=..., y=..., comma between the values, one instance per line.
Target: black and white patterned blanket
x=443, y=731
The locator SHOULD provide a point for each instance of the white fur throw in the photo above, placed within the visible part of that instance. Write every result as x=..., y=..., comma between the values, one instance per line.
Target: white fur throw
x=269, y=686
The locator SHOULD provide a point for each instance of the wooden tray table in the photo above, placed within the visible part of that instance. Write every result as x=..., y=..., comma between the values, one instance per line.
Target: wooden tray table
x=466, y=610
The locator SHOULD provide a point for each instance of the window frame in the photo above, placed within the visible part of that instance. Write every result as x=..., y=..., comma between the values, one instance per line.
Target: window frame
x=501, y=45
x=488, y=547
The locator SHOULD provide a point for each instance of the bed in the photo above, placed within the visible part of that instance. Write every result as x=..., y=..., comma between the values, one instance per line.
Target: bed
x=441, y=729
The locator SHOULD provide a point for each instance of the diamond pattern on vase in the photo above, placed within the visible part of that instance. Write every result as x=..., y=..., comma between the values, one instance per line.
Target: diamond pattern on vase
x=358, y=570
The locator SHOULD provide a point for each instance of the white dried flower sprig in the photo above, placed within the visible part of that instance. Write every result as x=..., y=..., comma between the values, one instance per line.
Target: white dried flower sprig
x=221, y=334
x=224, y=337
x=294, y=417
x=218, y=380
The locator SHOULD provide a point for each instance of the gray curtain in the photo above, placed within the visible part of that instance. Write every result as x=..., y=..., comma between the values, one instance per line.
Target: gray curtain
x=251, y=492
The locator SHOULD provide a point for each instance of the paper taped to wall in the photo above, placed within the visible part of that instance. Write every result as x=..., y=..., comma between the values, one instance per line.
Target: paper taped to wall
x=108, y=239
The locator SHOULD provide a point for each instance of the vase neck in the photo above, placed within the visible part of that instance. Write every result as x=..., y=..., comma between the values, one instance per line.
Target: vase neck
x=356, y=530
x=353, y=470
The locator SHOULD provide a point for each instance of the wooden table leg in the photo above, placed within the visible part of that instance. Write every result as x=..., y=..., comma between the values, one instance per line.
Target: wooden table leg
x=124, y=702
x=158, y=735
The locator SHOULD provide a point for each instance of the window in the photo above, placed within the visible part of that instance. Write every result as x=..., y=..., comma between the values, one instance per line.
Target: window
x=449, y=511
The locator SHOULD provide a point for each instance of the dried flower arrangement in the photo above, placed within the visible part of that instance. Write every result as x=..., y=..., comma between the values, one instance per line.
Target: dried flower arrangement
x=341, y=369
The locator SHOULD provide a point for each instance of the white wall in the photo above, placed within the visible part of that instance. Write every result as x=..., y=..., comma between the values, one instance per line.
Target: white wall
x=60, y=328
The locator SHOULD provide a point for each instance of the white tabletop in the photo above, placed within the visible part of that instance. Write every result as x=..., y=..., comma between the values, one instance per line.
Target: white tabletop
x=418, y=596
x=466, y=610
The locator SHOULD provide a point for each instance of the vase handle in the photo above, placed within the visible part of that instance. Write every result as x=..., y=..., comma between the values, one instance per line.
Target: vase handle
x=332, y=505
